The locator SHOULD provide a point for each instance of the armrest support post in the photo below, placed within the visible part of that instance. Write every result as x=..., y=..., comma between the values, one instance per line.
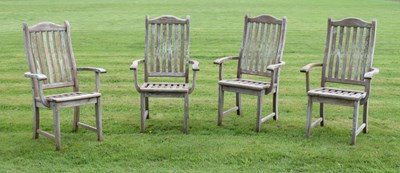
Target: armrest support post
x=306, y=69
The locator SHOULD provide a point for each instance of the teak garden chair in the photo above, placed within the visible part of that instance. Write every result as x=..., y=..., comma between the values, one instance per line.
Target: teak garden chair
x=260, y=55
x=52, y=65
x=166, y=55
x=348, y=59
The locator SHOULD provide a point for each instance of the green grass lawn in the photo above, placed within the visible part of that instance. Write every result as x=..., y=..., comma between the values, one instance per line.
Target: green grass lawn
x=110, y=34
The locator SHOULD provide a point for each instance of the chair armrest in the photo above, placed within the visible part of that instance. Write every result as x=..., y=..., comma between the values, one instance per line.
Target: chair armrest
x=273, y=67
x=371, y=73
x=134, y=67
x=195, y=65
x=308, y=67
x=97, y=70
x=39, y=77
x=136, y=63
x=221, y=60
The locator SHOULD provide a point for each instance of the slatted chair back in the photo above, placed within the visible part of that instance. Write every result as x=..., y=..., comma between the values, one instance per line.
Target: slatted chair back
x=349, y=51
x=167, y=47
x=48, y=49
x=263, y=44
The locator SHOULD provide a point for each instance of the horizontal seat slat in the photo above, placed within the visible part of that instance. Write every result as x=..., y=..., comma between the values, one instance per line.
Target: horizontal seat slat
x=71, y=96
x=242, y=83
x=165, y=87
x=337, y=93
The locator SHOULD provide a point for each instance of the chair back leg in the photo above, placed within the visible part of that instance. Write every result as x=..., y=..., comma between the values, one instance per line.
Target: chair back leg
x=99, y=125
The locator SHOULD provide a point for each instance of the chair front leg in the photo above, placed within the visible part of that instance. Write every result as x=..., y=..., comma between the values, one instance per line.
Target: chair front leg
x=56, y=119
x=365, y=117
x=147, y=107
x=76, y=118
x=239, y=104
x=220, y=105
x=322, y=114
x=186, y=115
x=355, y=122
x=259, y=111
x=275, y=104
x=99, y=125
x=36, y=121
x=309, y=116
x=142, y=112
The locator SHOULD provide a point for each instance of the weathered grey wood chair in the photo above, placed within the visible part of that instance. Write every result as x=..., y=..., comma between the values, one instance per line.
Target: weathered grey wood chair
x=260, y=55
x=166, y=55
x=348, y=59
x=52, y=65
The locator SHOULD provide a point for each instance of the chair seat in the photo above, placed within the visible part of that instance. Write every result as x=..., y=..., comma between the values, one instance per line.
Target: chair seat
x=337, y=93
x=246, y=84
x=165, y=87
x=65, y=97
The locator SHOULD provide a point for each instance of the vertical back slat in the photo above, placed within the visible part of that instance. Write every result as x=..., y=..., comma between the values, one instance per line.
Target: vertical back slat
x=170, y=48
x=53, y=57
x=158, y=47
x=41, y=56
x=176, y=45
x=276, y=46
x=152, y=33
x=332, y=51
x=253, y=55
x=271, y=44
x=246, y=53
x=365, y=56
x=59, y=56
x=66, y=56
x=265, y=47
x=46, y=54
x=353, y=47
x=359, y=50
x=35, y=55
x=346, y=49
x=182, y=48
x=164, y=47
x=339, y=52
x=260, y=46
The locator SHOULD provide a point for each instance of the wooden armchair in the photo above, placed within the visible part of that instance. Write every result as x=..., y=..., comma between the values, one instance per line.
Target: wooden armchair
x=52, y=65
x=348, y=59
x=166, y=55
x=260, y=55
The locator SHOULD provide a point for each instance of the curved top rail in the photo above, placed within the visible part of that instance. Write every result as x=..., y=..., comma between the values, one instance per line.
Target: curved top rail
x=46, y=26
x=266, y=19
x=352, y=22
x=168, y=19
